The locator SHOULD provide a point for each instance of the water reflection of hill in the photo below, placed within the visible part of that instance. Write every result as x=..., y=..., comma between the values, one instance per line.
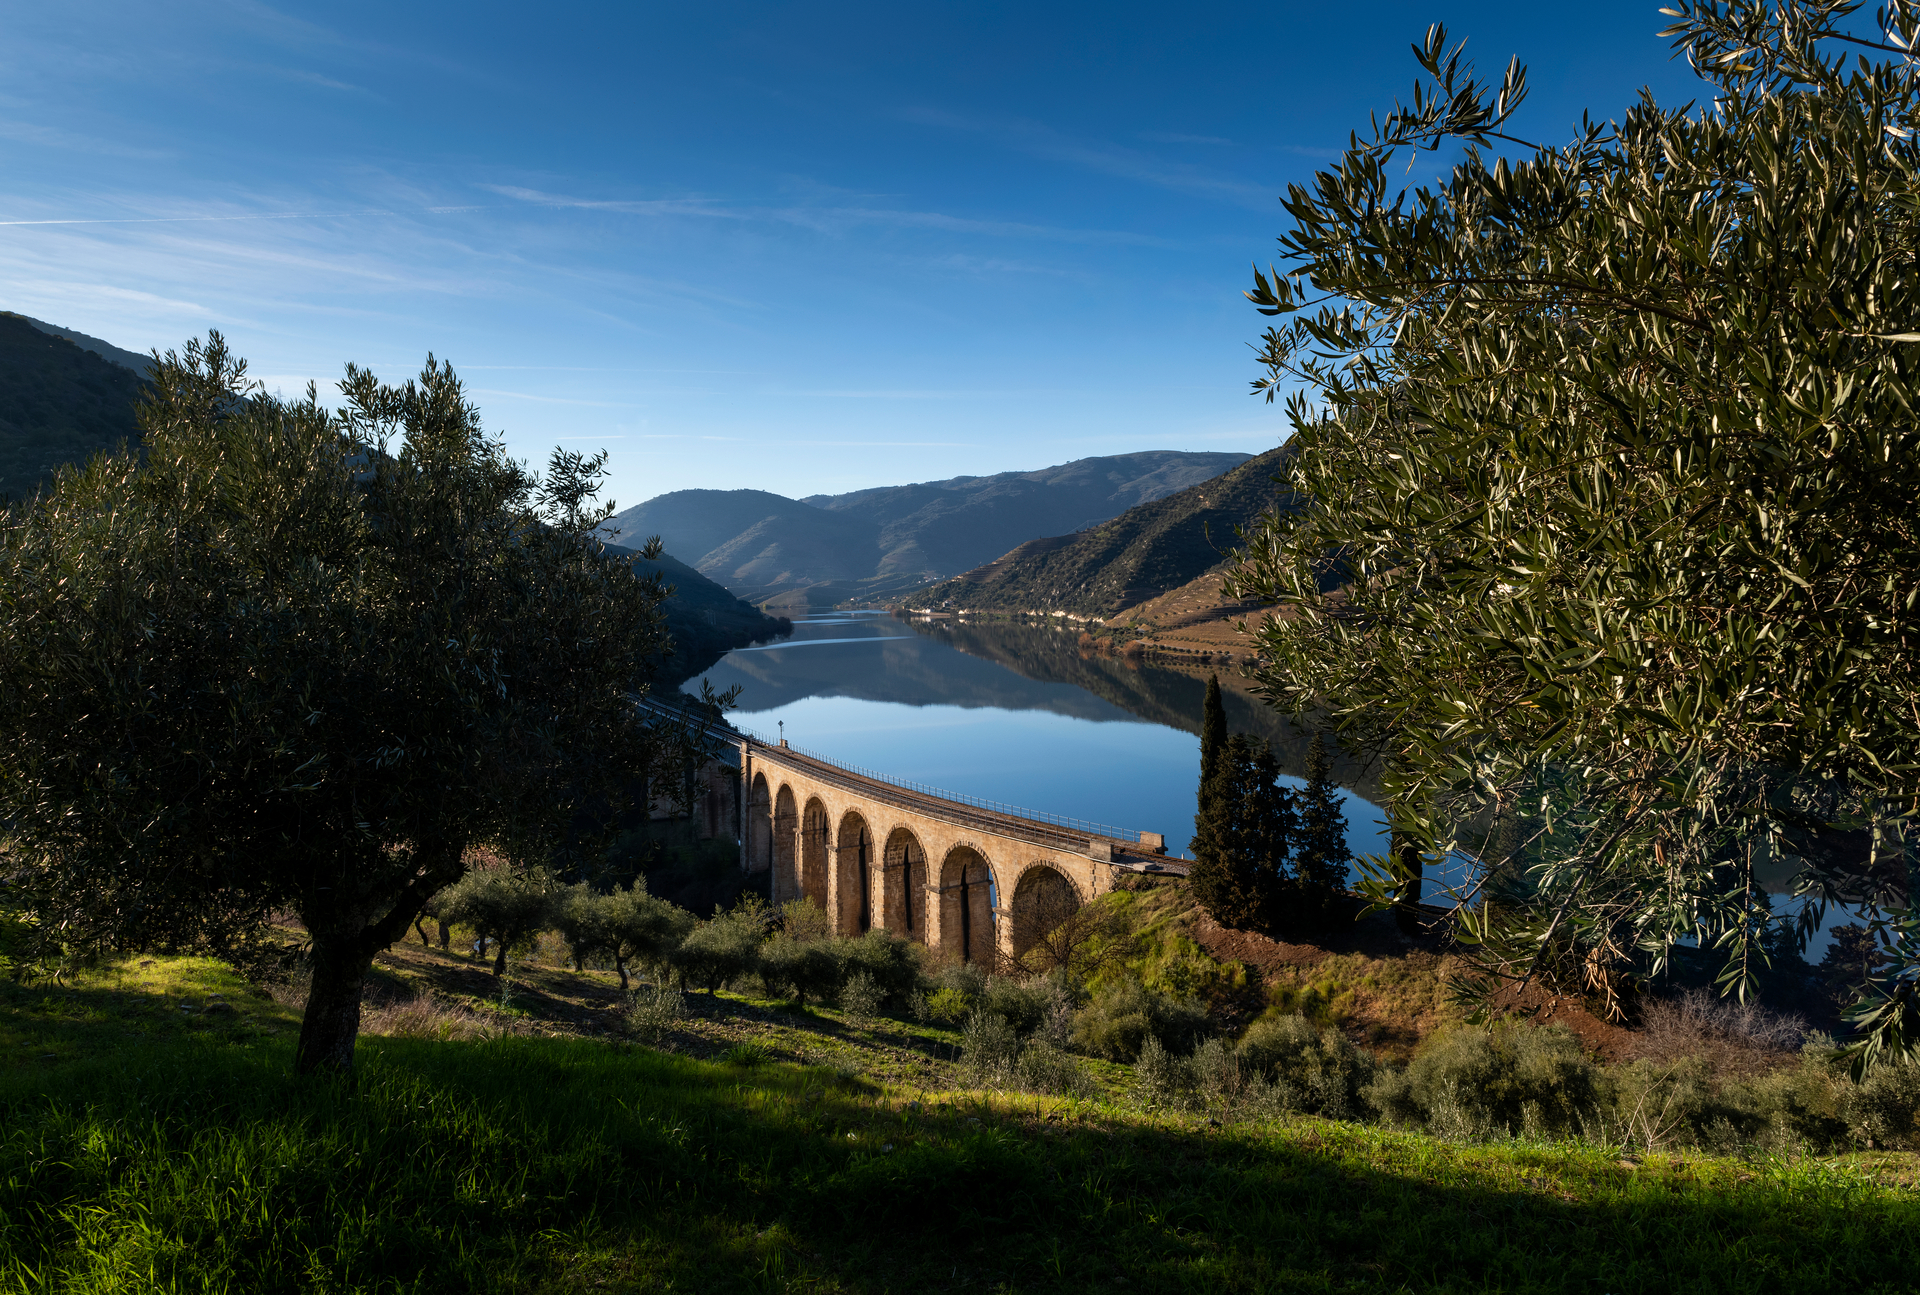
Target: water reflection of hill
x=1162, y=694
x=882, y=661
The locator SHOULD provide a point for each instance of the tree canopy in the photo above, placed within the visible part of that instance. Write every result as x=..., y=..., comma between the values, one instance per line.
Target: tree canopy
x=1606, y=461
x=301, y=659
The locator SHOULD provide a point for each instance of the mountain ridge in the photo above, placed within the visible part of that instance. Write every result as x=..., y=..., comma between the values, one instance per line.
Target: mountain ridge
x=1147, y=551
x=873, y=543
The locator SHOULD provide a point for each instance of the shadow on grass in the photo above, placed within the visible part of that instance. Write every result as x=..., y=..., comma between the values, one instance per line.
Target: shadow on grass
x=518, y=1164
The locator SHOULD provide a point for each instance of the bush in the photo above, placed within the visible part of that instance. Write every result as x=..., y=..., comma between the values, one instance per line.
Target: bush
x=947, y=1005
x=1022, y=1006
x=988, y=1048
x=802, y=968
x=653, y=1009
x=860, y=998
x=1307, y=1069
x=724, y=948
x=891, y=963
x=1043, y=1068
x=1513, y=1079
x=1883, y=1110
x=1159, y=1077
x=1117, y=1024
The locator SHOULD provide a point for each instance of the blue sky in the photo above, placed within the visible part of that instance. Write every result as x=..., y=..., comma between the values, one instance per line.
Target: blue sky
x=802, y=248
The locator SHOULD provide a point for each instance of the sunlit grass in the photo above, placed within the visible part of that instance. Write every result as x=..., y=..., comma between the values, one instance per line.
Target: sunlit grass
x=194, y=1161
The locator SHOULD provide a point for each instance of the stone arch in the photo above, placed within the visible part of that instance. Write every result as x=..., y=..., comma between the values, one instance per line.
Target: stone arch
x=903, y=886
x=815, y=839
x=967, y=905
x=1043, y=899
x=759, y=826
x=853, y=876
x=786, y=856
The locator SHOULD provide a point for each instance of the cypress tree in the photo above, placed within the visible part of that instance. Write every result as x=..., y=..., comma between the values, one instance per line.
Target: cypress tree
x=1243, y=837
x=1213, y=731
x=1322, y=856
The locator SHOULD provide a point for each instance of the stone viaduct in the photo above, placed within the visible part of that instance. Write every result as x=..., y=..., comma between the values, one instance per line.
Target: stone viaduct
x=977, y=880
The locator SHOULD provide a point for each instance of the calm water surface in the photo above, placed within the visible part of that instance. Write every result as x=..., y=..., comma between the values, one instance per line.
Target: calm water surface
x=1009, y=712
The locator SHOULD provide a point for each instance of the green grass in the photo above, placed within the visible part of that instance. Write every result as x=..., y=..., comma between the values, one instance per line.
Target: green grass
x=523, y=1164
x=145, y=1148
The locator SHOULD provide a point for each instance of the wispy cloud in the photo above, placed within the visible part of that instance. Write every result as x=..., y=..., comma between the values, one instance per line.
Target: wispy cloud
x=1169, y=137
x=629, y=206
x=837, y=220
x=26, y=132
x=1044, y=141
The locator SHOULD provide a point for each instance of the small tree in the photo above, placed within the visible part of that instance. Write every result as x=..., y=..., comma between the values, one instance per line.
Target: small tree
x=626, y=925
x=503, y=905
x=724, y=948
x=804, y=968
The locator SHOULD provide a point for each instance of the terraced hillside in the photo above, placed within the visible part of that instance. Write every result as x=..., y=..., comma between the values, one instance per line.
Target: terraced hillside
x=1145, y=552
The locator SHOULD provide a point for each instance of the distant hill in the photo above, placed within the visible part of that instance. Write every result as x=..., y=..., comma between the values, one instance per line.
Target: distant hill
x=705, y=620
x=59, y=403
x=142, y=365
x=1144, y=552
x=871, y=544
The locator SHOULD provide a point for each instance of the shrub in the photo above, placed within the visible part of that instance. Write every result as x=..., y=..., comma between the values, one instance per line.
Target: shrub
x=1022, y=1006
x=860, y=998
x=1159, y=1077
x=1118, y=1022
x=653, y=1009
x=988, y=1048
x=1470, y=1083
x=947, y=1005
x=803, y=968
x=804, y=920
x=723, y=948
x=1308, y=1069
x=1883, y=1109
x=1043, y=1068
x=891, y=963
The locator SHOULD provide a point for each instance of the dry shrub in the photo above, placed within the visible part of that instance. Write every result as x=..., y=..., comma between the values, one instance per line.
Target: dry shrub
x=426, y=1018
x=1734, y=1039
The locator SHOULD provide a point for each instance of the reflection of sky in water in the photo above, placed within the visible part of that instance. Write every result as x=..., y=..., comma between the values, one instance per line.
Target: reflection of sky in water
x=918, y=709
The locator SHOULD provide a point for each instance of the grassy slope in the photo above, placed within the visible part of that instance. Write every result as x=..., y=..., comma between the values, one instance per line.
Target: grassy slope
x=1141, y=554
x=160, y=1150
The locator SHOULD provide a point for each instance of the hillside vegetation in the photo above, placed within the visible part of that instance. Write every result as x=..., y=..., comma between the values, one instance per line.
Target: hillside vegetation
x=59, y=403
x=869, y=544
x=547, y=1134
x=706, y=621
x=1146, y=551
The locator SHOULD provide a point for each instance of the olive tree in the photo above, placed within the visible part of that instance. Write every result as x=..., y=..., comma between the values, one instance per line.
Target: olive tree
x=504, y=905
x=626, y=925
x=1606, y=460
x=304, y=659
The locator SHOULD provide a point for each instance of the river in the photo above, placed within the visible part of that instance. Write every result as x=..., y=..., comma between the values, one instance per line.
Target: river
x=1009, y=712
